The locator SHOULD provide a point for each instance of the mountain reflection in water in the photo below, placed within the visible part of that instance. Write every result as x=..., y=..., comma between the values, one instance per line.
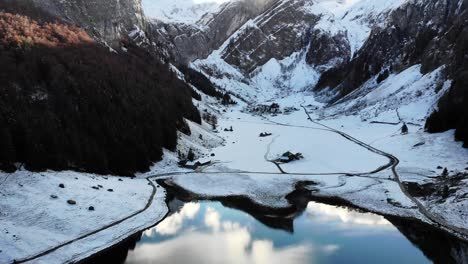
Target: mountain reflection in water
x=214, y=232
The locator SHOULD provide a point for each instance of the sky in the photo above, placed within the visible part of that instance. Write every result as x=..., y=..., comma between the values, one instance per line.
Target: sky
x=209, y=1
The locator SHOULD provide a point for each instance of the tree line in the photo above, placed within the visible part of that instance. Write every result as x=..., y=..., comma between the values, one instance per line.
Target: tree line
x=67, y=102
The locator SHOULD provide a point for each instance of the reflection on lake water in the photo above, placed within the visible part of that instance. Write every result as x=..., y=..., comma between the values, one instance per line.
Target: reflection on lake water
x=208, y=232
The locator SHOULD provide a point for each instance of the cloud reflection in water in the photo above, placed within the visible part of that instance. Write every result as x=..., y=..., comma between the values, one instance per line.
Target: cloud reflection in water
x=172, y=224
x=204, y=233
x=219, y=242
x=347, y=218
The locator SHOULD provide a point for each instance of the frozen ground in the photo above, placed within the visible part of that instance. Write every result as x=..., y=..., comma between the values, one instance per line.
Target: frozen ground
x=340, y=167
x=324, y=152
x=32, y=221
x=36, y=219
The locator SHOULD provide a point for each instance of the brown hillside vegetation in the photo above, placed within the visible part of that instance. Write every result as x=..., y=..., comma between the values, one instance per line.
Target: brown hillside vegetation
x=68, y=103
x=23, y=31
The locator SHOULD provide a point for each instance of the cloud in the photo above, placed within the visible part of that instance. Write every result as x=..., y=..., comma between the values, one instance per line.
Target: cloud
x=227, y=242
x=263, y=252
x=212, y=219
x=172, y=224
x=233, y=246
x=346, y=218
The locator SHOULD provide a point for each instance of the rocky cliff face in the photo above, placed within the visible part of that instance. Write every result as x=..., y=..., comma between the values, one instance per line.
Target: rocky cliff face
x=410, y=36
x=188, y=42
x=431, y=33
x=327, y=49
x=290, y=44
x=106, y=20
x=276, y=33
x=338, y=48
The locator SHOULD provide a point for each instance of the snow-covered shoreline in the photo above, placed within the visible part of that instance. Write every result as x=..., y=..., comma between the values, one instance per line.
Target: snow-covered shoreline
x=421, y=159
x=241, y=167
x=39, y=225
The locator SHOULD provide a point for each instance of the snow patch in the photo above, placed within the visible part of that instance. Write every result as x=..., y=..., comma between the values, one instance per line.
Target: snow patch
x=180, y=11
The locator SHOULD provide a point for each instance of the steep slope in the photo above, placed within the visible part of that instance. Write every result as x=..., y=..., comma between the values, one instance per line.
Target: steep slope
x=339, y=47
x=266, y=55
x=430, y=33
x=67, y=102
x=106, y=20
x=188, y=42
x=285, y=49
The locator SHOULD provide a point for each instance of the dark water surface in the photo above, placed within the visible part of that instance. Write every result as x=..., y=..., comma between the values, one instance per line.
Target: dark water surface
x=208, y=232
x=215, y=232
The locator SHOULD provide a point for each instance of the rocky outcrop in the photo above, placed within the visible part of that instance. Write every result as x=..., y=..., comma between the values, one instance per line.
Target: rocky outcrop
x=276, y=33
x=106, y=20
x=431, y=33
x=327, y=50
x=190, y=42
x=450, y=48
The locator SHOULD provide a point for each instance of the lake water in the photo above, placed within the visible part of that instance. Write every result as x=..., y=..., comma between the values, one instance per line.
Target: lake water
x=208, y=232
x=214, y=232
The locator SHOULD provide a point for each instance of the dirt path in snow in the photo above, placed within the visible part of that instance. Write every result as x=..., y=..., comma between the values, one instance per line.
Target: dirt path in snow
x=394, y=164
x=267, y=153
x=50, y=250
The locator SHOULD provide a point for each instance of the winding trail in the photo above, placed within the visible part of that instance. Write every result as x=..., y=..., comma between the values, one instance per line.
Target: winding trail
x=50, y=250
x=267, y=153
x=394, y=164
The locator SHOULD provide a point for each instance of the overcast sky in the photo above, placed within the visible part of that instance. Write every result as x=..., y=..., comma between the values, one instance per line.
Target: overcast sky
x=205, y=1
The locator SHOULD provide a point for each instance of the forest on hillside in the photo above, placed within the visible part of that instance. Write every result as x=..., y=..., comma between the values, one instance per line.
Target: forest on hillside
x=67, y=102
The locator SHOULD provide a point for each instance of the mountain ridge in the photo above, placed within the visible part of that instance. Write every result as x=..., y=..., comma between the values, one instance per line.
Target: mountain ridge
x=370, y=40
x=351, y=58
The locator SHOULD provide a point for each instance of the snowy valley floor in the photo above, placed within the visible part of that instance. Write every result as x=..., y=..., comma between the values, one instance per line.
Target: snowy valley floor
x=337, y=166
x=38, y=225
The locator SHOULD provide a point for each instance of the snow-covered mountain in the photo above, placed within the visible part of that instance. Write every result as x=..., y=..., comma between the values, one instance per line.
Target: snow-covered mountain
x=343, y=50
x=179, y=11
x=186, y=42
x=339, y=50
x=431, y=34
x=291, y=43
x=113, y=86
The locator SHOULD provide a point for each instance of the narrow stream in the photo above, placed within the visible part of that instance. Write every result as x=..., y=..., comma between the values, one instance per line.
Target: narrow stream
x=215, y=232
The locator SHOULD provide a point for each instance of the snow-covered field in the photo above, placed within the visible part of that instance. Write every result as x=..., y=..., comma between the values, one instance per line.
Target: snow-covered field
x=324, y=152
x=36, y=217
x=242, y=166
x=34, y=222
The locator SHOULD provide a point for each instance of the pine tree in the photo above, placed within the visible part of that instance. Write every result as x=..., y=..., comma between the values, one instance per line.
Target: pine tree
x=404, y=129
x=226, y=99
x=7, y=150
x=445, y=172
x=191, y=155
x=445, y=192
x=214, y=121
